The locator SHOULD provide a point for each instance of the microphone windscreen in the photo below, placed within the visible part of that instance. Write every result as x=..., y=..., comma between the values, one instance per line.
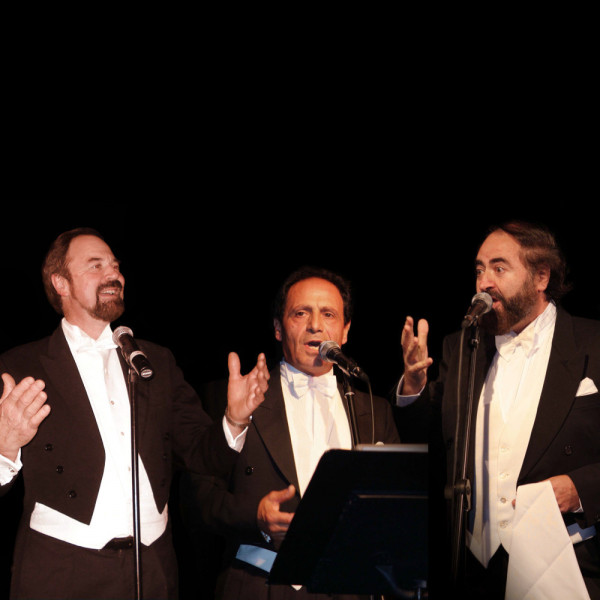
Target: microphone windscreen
x=326, y=347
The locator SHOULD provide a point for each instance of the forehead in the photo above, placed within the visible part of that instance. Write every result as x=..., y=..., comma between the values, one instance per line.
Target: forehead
x=87, y=247
x=314, y=291
x=499, y=245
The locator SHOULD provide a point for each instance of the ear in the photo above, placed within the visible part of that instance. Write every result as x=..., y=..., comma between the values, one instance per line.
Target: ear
x=61, y=285
x=542, y=279
x=278, y=330
x=345, y=333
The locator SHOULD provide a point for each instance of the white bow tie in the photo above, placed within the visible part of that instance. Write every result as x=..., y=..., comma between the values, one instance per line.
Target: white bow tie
x=89, y=345
x=507, y=344
x=300, y=383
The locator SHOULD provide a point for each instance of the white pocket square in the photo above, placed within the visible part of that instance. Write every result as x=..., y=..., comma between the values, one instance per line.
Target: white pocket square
x=586, y=387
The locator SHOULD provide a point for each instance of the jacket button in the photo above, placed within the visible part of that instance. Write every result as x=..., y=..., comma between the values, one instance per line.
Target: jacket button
x=48, y=447
x=568, y=450
x=249, y=470
x=59, y=469
x=72, y=494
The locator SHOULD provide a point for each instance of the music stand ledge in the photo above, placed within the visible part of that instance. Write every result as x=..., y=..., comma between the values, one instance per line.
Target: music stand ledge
x=361, y=526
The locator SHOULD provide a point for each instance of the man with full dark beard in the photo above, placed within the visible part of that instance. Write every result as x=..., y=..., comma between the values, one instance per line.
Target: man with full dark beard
x=67, y=423
x=530, y=524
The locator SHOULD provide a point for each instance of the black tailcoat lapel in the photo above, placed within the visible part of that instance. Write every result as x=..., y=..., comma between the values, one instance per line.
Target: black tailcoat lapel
x=565, y=370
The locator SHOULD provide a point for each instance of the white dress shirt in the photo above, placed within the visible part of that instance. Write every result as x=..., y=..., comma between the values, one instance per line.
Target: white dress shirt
x=316, y=418
x=507, y=408
x=100, y=370
x=105, y=384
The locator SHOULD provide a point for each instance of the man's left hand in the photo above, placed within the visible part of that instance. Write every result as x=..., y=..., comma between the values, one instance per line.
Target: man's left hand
x=566, y=494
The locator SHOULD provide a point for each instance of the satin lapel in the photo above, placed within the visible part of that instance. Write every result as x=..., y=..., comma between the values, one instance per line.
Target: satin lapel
x=62, y=375
x=271, y=424
x=565, y=368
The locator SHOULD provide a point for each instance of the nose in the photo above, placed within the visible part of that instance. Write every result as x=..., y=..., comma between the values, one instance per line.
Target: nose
x=485, y=282
x=315, y=323
x=112, y=271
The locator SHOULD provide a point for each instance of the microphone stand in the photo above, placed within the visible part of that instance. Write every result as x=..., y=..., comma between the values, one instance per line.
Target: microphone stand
x=459, y=493
x=349, y=394
x=132, y=380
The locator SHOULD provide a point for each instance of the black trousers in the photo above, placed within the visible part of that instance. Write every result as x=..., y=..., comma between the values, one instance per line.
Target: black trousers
x=47, y=568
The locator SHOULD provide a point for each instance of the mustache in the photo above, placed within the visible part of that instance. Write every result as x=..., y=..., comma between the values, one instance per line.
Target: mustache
x=115, y=283
x=497, y=297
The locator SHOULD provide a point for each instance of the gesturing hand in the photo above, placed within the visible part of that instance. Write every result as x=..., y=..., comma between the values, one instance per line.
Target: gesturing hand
x=22, y=409
x=245, y=392
x=416, y=359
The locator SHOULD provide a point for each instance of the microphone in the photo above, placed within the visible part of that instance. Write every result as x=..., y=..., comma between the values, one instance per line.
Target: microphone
x=480, y=304
x=135, y=358
x=331, y=352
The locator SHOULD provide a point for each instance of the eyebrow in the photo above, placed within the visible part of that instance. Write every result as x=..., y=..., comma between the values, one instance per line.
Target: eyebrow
x=493, y=261
x=309, y=308
x=100, y=258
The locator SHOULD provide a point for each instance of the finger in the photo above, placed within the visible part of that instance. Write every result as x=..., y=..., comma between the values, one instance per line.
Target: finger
x=407, y=331
x=421, y=365
x=422, y=333
x=23, y=392
x=233, y=364
x=31, y=408
x=27, y=391
x=9, y=385
x=255, y=398
x=39, y=416
x=282, y=495
x=284, y=519
x=262, y=362
x=263, y=381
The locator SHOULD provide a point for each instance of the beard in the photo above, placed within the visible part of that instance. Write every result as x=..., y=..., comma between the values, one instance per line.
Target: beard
x=511, y=311
x=108, y=310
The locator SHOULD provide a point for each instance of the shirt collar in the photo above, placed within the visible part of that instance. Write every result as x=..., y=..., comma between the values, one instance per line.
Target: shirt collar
x=531, y=337
x=79, y=340
x=299, y=383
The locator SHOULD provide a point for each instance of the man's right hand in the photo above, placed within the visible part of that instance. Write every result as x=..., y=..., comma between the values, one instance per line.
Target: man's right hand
x=22, y=408
x=416, y=359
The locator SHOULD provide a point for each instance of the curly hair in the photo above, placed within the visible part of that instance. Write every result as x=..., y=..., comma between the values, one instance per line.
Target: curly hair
x=540, y=249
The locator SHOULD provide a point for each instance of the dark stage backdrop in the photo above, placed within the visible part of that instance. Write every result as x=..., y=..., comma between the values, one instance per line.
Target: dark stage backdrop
x=201, y=270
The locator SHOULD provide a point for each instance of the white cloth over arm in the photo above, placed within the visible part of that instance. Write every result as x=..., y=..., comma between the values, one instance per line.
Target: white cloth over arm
x=542, y=562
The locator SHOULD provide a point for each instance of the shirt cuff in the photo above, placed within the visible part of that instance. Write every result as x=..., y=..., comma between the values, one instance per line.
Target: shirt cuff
x=9, y=469
x=235, y=443
x=401, y=399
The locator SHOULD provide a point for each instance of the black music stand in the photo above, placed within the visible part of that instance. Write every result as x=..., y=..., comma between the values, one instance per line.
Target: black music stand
x=361, y=526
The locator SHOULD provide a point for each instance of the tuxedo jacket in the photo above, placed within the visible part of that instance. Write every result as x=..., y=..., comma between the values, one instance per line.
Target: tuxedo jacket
x=565, y=438
x=266, y=463
x=64, y=463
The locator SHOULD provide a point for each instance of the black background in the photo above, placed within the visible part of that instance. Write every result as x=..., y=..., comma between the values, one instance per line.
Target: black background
x=201, y=274
x=212, y=179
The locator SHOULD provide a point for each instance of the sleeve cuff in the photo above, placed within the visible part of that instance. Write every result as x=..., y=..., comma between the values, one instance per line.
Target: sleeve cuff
x=9, y=469
x=235, y=443
x=401, y=399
